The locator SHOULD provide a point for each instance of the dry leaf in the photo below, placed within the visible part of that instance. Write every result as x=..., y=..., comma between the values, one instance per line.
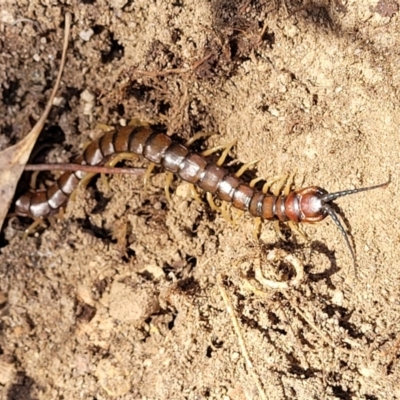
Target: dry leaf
x=13, y=159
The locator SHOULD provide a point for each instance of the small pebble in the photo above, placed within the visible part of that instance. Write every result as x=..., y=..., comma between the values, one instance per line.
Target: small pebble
x=86, y=35
x=274, y=112
x=118, y=4
x=58, y=101
x=87, y=96
x=7, y=17
x=338, y=297
x=7, y=372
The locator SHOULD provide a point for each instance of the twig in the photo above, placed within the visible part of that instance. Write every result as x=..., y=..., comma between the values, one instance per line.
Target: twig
x=174, y=70
x=164, y=72
x=31, y=21
x=86, y=168
x=239, y=335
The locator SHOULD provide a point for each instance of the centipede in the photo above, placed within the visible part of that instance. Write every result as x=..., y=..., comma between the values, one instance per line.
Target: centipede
x=306, y=205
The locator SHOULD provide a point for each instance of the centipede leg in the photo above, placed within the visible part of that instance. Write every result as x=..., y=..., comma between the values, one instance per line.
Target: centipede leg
x=54, y=218
x=237, y=214
x=147, y=175
x=257, y=228
x=121, y=157
x=289, y=183
x=32, y=227
x=194, y=193
x=84, y=181
x=295, y=227
x=221, y=160
x=225, y=213
x=280, y=182
x=137, y=122
x=168, y=181
x=257, y=221
x=223, y=209
x=278, y=231
x=33, y=180
x=245, y=167
x=197, y=136
x=238, y=174
x=226, y=149
x=211, y=202
x=59, y=216
x=110, y=163
x=292, y=225
x=254, y=181
x=104, y=180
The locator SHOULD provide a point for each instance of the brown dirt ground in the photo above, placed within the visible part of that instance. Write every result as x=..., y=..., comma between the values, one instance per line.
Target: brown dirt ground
x=120, y=298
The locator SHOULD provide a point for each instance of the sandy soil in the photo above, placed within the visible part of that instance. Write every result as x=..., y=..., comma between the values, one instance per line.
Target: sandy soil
x=122, y=298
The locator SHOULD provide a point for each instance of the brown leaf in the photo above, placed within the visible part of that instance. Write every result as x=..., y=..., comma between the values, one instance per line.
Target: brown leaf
x=13, y=159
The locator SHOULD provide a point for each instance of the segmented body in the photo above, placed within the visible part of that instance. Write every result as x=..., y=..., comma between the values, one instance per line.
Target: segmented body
x=311, y=204
x=178, y=159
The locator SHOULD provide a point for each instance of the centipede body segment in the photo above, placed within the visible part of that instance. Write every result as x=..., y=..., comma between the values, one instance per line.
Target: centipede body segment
x=311, y=204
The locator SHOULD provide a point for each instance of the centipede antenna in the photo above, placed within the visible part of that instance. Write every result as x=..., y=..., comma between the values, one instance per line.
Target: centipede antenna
x=333, y=196
x=329, y=210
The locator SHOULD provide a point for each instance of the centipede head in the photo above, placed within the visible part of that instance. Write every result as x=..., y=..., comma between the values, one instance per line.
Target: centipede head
x=316, y=203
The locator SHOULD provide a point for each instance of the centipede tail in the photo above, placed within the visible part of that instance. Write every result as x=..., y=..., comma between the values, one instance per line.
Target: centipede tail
x=311, y=204
x=43, y=203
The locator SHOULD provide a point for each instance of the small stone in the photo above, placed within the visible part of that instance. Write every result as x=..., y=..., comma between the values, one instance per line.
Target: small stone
x=112, y=378
x=87, y=96
x=7, y=372
x=3, y=299
x=154, y=270
x=58, y=101
x=367, y=372
x=307, y=103
x=88, y=108
x=183, y=190
x=338, y=297
x=86, y=35
x=118, y=4
x=274, y=112
x=14, y=295
x=147, y=362
x=7, y=17
x=85, y=294
x=131, y=304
